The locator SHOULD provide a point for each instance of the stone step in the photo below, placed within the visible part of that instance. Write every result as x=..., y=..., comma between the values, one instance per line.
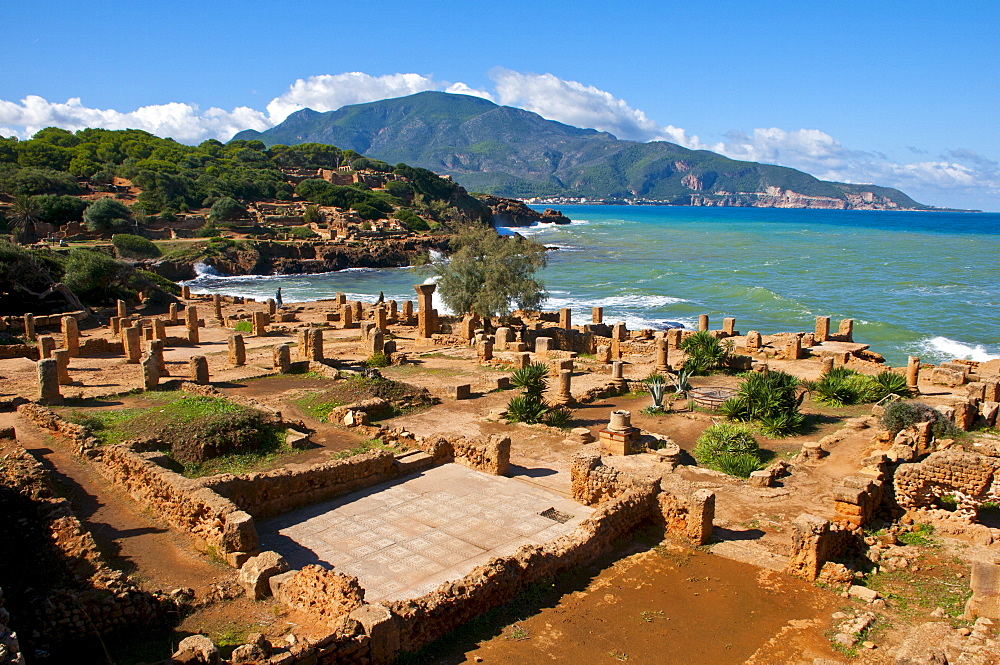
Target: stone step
x=414, y=461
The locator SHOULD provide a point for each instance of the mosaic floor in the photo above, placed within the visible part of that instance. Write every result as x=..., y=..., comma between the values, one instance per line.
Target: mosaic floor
x=405, y=538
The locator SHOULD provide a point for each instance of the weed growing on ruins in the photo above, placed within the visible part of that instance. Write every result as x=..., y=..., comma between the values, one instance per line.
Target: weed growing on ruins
x=255, y=460
x=706, y=354
x=900, y=415
x=317, y=405
x=378, y=359
x=367, y=446
x=243, y=327
x=618, y=655
x=559, y=417
x=937, y=584
x=517, y=633
x=107, y=426
x=919, y=535
x=771, y=400
x=651, y=615
x=530, y=407
x=730, y=448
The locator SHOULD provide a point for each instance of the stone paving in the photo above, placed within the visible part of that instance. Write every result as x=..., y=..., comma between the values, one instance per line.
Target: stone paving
x=405, y=538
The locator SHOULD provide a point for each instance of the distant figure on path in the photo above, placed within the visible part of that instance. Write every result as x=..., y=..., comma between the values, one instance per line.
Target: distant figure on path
x=277, y=297
x=381, y=298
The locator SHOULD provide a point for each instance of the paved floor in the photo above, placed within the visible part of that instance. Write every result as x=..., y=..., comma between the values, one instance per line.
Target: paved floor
x=405, y=538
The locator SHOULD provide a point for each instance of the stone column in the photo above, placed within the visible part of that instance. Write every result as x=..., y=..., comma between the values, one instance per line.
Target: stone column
x=619, y=332
x=272, y=307
x=822, y=332
x=191, y=320
x=71, y=336
x=147, y=333
x=185, y=292
x=826, y=363
x=172, y=313
x=116, y=325
x=198, y=370
x=282, y=355
x=618, y=374
x=217, y=305
x=565, y=318
x=316, y=344
x=484, y=351
x=674, y=336
x=793, y=348
x=846, y=330
x=662, y=355
x=912, y=372
x=425, y=320
x=702, y=322
x=729, y=326
x=597, y=315
x=303, y=343
x=753, y=341
x=61, y=356
x=347, y=316
x=359, y=310
x=260, y=322
x=237, y=350
x=522, y=360
x=408, y=312
x=381, y=318
x=376, y=342
x=564, y=394
x=542, y=346
x=150, y=373
x=154, y=349
x=132, y=343
x=159, y=329
x=46, y=345
x=48, y=382
x=467, y=327
x=29, y=327
x=122, y=309
x=393, y=311
x=340, y=298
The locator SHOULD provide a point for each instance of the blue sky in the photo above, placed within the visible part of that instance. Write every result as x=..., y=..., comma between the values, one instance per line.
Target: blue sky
x=903, y=94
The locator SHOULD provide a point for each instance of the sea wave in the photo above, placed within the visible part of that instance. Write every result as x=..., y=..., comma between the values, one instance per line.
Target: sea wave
x=945, y=348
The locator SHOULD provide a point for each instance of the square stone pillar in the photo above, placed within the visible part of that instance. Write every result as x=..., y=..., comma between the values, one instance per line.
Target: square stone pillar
x=272, y=307
x=198, y=370
x=48, y=382
x=408, y=312
x=543, y=345
x=260, y=323
x=316, y=344
x=597, y=315
x=191, y=322
x=340, y=299
x=122, y=309
x=159, y=329
x=172, y=313
x=426, y=317
x=393, y=311
x=729, y=326
x=71, y=336
x=46, y=345
x=282, y=358
x=376, y=342
x=347, y=316
x=565, y=318
x=237, y=350
x=29, y=327
x=753, y=341
x=674, y=336
x=185, y=292
x=132, y=344
x=154, y=349
x=61, y=356
x=822, y=332
x=381, y=318
x=484, y=351
x=846, y=330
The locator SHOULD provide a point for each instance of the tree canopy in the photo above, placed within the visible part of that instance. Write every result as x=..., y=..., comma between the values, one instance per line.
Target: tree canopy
x=488, y=273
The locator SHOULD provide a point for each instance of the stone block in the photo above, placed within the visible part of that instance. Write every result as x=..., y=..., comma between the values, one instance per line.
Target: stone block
x=256, y=572
x=196, y=649
x=382, y=630
x=239, y=533
x=862, y=593
x=462, y=391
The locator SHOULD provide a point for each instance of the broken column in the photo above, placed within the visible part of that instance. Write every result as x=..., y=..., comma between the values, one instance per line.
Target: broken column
x=359, y=310
x=116, y=325
x=159, y=329
x=467, y=327
x=237, y=350
x=912, y=372
x=393, y=311
x=826, y=364
x=154, y=349
x=217, y=305
x=408, y=312
x=753, y=341
x=564, y=394
x=48, y=382
x=303, y=343
x=272, y=307
x=315, y=344
x=822, y=329
x=542, y=346
x=662, y=355
x=566, y=318
x=793, y=348
x=132, y=343
x=71, y=336
x=381, y=318
x=172, y=313
x=619, y=437
x=597, y=315
x=61, y=356
x=282, y=358
x=185, y=292
x=46, y=345
x=198, y=370
x=260, y=322
x=425, y=316
x=702, y=322
x=29, y=327
x=846, y=330
x=347, y=316
x=191, y=320
x=376, y=342
x=150, y=373
x=618, y=374
x=729, y=326
x=501, y=339
x=122, y=309
x=484, y=351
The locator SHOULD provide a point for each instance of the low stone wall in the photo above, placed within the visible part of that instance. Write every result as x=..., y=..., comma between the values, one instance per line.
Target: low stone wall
x=50, y=420
x=92, y=597
x=28, y=351
x=268, y=493
x=98, y=346
x=968, y=477
x=323, y=593
x=814, y=542
x=491, y=457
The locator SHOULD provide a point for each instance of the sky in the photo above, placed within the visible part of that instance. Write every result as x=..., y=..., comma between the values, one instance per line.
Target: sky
x=897, y=93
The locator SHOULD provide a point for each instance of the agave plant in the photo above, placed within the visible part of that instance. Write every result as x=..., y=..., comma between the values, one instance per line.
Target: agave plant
x=657, y=387
x=682, y=380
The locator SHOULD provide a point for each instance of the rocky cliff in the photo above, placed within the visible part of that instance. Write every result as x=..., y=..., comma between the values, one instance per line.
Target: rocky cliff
x=511, y=212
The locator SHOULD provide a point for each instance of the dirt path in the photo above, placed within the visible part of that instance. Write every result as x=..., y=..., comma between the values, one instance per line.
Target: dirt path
x=130, y=538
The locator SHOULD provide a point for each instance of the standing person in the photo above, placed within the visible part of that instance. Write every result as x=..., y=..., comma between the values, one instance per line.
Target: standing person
x=277, y=297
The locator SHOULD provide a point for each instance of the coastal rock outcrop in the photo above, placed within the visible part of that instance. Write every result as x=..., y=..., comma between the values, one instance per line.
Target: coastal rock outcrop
x=511, y=212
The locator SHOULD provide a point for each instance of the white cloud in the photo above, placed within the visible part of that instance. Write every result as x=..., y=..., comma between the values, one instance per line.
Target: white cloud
x=183, y=122
x=574, y=103
x=328, y=92
x=463, y=89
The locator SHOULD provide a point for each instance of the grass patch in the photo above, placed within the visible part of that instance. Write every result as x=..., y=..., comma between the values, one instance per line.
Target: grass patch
x=243, y=327
x=367, y=446
x=317, y=405
x=237, y=463
x=921, y=535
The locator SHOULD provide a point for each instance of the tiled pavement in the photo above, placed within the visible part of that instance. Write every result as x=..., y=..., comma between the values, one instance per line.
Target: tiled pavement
x=405, y=538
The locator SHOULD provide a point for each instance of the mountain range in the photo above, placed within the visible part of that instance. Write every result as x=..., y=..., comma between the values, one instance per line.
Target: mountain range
x=511, y=152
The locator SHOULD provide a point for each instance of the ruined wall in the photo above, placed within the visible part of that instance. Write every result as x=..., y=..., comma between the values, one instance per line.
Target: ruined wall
x=323, y=593
x=491, y=457
x=969, y=477
x=89, y=595
x=268, y=493
x=814, y=542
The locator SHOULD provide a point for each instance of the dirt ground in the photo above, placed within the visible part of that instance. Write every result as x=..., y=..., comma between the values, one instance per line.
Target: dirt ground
x=648, y=605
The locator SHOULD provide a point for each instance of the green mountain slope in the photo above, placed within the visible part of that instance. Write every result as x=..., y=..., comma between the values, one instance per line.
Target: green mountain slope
x=511, y=152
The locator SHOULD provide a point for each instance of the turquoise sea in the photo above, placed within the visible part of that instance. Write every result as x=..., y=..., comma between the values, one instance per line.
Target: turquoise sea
x=924, y=284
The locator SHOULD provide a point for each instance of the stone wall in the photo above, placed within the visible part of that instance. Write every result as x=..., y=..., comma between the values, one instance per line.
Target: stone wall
x=968, y=477
x=814, y=542
x=28, y=351
x=90, y=596
x=268, y=493
x=323, y=593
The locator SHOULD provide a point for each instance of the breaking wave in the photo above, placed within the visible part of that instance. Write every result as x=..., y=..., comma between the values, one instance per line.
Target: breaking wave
x=945, y=349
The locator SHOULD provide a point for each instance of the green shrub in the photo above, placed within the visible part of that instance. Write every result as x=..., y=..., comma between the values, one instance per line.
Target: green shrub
x=134, y=247
x=531, y=379
x=740, y=465
x=300, y=232
x=243, y=327
x=706, y=353
x=723, y=439
x=366, y=211
x=843, y=387
x=227, y=209
x=107, y=214
x=559, y=417
x=770, y=399
x=526, y=409
x=160, y=282
x=657, y=387
x=411, y=220
x=900, y=415
x=378, y=360
x=312, y=215
x=529, y=407
x=98, y=279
